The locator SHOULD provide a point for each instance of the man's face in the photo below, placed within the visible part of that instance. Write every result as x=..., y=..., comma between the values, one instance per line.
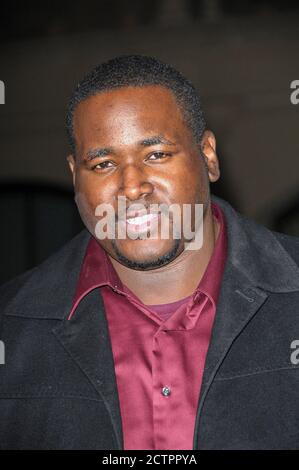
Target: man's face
x=133, y=142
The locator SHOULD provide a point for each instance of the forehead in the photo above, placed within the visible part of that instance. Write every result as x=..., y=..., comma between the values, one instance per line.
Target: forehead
x=129, y=110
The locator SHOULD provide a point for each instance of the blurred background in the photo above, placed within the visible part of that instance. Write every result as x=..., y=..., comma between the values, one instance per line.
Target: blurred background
x=241, y=55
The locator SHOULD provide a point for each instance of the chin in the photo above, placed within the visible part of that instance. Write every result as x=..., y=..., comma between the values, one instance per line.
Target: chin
x=143, y=255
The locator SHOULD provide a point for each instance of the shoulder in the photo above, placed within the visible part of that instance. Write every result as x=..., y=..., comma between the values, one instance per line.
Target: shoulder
x=11, y=287
x=289, y=243
x=48, y=275
x=265, y=237
x=256, y=234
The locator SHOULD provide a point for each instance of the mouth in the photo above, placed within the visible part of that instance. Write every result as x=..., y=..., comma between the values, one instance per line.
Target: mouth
x=140, y=222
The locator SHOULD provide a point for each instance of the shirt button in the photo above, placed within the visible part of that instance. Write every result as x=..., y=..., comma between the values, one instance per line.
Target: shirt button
x=165, y=391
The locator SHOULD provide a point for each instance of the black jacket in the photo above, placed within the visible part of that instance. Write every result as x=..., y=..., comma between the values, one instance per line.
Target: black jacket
x=58, y=386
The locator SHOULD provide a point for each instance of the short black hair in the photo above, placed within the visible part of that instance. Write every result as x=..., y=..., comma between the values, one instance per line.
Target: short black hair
x=138, y=71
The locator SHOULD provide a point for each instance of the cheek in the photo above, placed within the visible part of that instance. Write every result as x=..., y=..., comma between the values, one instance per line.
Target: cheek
x=197, y=181
x=89, y=194
x=89, y=190
x=86, y=210
x=188, y=186
x=86, y=199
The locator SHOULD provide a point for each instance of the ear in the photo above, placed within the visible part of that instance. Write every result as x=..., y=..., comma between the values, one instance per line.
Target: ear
x=72, y=164
x=208, y=148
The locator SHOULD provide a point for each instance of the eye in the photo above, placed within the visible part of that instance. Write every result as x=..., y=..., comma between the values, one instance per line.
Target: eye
x=102, y=165
x=158, y=155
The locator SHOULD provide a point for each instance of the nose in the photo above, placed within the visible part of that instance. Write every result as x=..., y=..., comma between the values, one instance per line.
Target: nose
x=134, y=184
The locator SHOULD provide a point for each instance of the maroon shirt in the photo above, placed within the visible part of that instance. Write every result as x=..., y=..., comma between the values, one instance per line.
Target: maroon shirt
x=159, y=351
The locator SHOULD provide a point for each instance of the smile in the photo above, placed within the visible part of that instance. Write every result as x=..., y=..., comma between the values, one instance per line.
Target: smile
x=144, y=219
x=143, y=223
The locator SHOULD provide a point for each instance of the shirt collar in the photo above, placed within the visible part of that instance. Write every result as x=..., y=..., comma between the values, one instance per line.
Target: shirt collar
x=211, y=280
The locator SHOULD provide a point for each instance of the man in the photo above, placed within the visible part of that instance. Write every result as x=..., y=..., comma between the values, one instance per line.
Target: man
x=150, y=342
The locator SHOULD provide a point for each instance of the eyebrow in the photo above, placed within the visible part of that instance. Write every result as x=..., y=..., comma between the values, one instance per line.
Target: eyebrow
x=155, y=140
x=103, y=152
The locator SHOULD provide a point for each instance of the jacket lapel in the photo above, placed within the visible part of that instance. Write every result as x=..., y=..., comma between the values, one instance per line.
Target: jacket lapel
x=86, y=338
x=237, y=304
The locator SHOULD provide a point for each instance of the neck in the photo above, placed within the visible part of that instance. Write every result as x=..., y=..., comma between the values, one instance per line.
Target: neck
x=156, y=286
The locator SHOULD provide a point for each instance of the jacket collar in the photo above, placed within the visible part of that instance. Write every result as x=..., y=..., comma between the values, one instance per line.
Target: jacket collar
x=256, y=252
x=51, y=285
x=253, y=252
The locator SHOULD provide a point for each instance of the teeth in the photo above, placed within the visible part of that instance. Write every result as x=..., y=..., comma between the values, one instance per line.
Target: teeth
x=141, y=220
